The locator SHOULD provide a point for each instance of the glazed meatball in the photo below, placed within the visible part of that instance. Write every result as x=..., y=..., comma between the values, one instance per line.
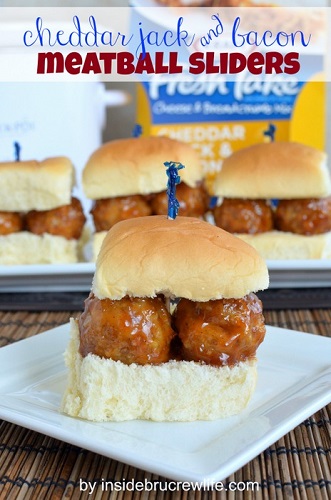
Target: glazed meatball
x=220, y=332
x=10, y=222
x=131, y=330
x=305, y=216
x=193, y=202
x=109, y=211
x=67, y=221
x=244, y=216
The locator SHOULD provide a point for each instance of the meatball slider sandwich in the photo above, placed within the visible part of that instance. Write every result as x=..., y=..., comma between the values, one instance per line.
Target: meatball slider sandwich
x=129, y=358
x=125, y=178
x=39, y=220
x=276, y=196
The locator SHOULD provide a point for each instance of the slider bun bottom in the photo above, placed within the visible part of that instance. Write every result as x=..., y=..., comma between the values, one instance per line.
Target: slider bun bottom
x=278, y=245
x=105, y=390
x=272, y=245
x=28, y=248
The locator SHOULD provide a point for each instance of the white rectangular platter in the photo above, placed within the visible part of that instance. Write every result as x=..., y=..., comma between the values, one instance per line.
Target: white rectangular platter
x=294, y=382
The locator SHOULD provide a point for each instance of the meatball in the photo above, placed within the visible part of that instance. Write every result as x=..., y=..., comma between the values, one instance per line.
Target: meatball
x=10, y=222
x=193, y=202
x=131, y=330
x=244, y=216
x=220, y=332
x=67, y=221
x=304, y=216
x=109, y=211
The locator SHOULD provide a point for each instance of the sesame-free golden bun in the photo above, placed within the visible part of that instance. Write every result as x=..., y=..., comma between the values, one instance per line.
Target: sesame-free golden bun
x=34, y=185
x=185, y=257
x=135, y=165
x=28, y=248
x=283, y=170
x=278, y=245
x=25, y=247
x=42, y=186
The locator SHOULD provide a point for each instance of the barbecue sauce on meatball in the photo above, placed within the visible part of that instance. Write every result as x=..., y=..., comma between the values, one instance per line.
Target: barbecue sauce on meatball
x=304, y=216
x=193, y=202
x=67, y=221
x=109, y=211
x=130, y=330
x=10, y=222
x=244, y=216
x=138, y=330
x=220, y=332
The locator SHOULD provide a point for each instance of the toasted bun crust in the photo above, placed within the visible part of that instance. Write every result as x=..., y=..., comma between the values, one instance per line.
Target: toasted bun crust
x=185, y=257
x=27, y=248
x=102, y=389
x=33, y=185
x=282, y=170
x=97, y=240
x=277, y=245
x=136, y=166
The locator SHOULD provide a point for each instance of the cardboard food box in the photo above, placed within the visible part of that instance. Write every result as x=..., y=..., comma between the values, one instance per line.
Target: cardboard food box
x=219, y=117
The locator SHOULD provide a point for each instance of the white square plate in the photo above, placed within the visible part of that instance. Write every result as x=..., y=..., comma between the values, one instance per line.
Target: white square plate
x=78, y=277
x=294, y=382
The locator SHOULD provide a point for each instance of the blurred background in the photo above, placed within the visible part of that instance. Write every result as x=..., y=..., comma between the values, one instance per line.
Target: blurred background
x=119, y=120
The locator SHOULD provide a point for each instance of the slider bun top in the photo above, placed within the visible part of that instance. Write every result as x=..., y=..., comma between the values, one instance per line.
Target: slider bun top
x=34, y=185
x=185, y=257
x=131, y=166
x=284, y=170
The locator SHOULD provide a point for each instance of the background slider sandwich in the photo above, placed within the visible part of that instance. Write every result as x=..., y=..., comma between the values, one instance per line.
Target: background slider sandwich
x=129, y=358
x=276, y=196
x=39, y=220
x=125, y=178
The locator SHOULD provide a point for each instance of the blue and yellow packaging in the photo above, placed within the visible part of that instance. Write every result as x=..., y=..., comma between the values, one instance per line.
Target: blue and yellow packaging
x=221, y=116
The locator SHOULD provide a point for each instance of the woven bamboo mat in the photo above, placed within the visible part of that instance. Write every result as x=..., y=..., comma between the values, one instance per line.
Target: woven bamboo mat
x=34, y=466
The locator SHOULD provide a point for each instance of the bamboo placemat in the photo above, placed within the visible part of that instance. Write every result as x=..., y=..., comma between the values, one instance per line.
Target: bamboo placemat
x=34, y=466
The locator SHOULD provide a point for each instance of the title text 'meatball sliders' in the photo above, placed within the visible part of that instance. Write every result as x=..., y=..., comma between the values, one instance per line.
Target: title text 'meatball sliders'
x=40, y=222
x=276, y=196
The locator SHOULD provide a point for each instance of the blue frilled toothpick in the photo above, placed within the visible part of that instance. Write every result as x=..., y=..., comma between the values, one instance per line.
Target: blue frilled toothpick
x=17, y=151
x=270, y=132
x=137, y=130
x=173, y=180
